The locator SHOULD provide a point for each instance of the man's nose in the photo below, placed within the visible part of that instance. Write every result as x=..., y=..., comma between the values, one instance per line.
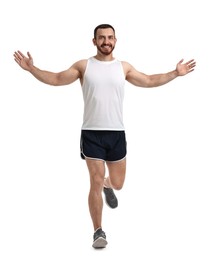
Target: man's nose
x=105, y=40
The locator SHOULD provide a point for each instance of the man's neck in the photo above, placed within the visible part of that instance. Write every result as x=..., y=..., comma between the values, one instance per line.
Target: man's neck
x=104, y=57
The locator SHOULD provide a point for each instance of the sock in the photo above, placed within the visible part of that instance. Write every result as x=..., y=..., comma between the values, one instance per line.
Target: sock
x=97, y=229
x=106, y=183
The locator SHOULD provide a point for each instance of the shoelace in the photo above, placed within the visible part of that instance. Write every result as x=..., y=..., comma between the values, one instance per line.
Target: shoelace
x=99, y=233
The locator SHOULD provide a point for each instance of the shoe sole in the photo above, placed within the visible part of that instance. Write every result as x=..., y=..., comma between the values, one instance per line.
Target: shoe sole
x=100, y=243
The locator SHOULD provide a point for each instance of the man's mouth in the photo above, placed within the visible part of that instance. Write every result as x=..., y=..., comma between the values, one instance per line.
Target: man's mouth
x=106, y=46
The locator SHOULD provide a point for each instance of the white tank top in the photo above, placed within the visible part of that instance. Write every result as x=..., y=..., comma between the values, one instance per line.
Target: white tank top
x=103, y=94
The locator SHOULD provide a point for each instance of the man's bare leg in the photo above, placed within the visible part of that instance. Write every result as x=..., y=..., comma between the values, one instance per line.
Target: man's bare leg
x=97, y=172
x=117, y=173
x=115, y=180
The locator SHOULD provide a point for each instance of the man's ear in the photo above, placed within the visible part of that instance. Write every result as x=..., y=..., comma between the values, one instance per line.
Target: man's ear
x=94, y=41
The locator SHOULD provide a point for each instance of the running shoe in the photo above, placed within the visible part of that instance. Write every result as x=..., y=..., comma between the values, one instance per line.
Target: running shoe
x=99, y=239
x=110, y=197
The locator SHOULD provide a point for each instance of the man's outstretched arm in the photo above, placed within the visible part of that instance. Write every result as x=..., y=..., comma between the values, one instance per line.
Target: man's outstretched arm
x=142, y=80
x=51, y=78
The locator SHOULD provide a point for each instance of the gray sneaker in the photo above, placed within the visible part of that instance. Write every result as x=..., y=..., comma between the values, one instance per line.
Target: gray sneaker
x=110, y=197
x=99, y=239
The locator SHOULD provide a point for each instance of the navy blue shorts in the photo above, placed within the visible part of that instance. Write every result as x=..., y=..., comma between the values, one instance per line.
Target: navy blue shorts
x=103, y=145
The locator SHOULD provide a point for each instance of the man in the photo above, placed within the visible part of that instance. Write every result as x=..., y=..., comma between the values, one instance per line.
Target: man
x=103, y=140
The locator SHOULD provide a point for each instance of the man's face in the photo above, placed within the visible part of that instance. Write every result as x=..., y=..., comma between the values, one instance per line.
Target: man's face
x=105, y=41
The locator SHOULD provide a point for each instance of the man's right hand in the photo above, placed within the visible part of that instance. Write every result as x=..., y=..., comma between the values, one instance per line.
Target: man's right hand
x=24, y=62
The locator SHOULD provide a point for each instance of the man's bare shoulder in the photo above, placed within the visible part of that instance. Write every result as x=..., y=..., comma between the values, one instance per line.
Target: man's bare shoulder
x=126, y=66
x=80, y=65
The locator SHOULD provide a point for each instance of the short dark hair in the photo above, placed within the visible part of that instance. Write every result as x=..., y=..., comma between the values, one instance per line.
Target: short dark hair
x=103, y=26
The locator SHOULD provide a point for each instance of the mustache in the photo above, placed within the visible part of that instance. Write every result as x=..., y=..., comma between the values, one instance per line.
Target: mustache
x=103, y=45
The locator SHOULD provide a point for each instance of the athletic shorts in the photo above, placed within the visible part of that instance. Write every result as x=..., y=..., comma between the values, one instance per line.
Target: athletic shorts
x=103, y=145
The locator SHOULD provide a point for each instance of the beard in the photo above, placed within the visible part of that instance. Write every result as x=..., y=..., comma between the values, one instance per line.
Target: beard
x=105, y=49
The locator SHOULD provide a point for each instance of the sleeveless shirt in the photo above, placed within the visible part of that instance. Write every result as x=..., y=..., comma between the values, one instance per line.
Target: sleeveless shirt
x=103, y=94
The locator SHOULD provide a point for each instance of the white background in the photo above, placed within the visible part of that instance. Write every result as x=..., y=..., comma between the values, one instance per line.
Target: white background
x=163, y=208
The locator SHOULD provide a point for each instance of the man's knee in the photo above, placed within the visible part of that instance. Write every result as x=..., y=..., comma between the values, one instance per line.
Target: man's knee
x=117, y=184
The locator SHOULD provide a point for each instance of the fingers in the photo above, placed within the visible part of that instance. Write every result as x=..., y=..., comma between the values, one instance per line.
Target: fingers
x=188, y=62
x=29, y=55
x=18, y=55
x=180, y=61
x=191, y=64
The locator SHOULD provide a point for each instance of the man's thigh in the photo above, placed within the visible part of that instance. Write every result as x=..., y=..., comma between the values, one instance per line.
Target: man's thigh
x=117, y=173
x=96, y=169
